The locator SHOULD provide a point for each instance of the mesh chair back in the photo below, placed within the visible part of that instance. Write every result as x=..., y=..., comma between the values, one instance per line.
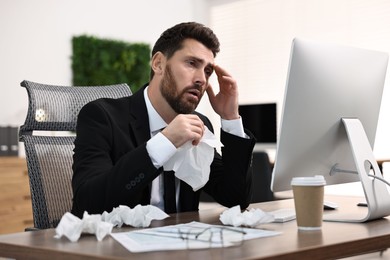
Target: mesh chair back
x=50, y=157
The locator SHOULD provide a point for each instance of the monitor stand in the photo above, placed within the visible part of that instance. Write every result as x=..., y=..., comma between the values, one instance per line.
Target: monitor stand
x=376, y=193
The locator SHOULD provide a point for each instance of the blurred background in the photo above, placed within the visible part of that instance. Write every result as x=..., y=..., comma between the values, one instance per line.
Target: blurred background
x=36, y=41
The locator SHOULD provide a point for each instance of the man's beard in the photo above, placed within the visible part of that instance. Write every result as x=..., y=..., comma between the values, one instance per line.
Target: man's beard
x=168, y=88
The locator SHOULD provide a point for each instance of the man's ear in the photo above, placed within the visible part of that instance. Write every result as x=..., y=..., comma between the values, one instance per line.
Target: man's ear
x=158, y=63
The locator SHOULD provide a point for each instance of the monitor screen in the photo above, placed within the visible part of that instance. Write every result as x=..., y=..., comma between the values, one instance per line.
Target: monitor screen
x=325, y=83
x=260, y=119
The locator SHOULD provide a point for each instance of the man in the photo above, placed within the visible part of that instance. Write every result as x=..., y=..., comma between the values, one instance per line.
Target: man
x=120, y=149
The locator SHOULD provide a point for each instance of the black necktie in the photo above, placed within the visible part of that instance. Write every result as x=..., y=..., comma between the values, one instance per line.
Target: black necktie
x=169, y=192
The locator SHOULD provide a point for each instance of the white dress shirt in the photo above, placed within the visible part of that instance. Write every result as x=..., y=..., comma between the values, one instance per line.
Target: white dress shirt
x=159, y=142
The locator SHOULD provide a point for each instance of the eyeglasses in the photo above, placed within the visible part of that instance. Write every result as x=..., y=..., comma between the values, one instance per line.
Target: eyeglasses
x=196, y=237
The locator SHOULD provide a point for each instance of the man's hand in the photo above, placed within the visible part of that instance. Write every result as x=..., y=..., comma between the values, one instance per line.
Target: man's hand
x=184, y=128
x=225, y=103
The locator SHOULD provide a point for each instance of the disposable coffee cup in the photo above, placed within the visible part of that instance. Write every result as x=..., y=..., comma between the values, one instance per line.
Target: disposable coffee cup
x=308, y=199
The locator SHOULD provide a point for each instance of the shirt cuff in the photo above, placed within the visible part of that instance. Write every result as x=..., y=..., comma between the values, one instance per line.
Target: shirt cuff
x=234, y=127
x=160, y=149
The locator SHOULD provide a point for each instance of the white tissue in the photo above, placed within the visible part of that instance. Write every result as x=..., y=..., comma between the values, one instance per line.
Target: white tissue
x=71, y=226
x=191, y=163
x=250, y=218
x=139, y=216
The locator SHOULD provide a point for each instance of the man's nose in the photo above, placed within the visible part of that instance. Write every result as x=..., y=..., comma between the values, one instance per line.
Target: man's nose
x=200, y=78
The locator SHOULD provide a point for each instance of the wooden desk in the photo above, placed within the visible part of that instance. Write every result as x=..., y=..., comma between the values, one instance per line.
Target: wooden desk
x=334, y=241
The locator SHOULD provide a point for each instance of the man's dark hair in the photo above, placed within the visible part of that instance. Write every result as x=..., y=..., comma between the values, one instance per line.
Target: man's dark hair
x=172, y=39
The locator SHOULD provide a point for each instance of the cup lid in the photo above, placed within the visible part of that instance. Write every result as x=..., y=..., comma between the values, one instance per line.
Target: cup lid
x=317, y=180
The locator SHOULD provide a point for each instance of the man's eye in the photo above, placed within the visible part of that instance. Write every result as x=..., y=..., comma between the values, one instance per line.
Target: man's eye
x=209, y=72
x=191, y=62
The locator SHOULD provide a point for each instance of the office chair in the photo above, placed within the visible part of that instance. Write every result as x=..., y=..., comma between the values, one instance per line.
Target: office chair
x=262, y=175
x=261, y=180
x=53, y=110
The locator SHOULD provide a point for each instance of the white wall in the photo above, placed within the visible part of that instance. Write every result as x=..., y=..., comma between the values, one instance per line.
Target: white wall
x=35, y=37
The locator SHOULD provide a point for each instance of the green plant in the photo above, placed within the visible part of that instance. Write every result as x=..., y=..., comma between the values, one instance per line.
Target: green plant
x=103, y=62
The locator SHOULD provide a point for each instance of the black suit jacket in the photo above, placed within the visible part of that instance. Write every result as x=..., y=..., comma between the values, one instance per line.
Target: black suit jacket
x=112, y=166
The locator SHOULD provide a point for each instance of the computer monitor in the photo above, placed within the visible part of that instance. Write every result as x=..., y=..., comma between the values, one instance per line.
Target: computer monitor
x=260, y=119
x=325, y=84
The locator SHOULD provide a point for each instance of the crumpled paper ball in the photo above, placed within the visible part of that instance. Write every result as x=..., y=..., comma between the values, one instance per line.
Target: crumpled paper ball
x=139, y=216
x=72, y=227
x=249, y=218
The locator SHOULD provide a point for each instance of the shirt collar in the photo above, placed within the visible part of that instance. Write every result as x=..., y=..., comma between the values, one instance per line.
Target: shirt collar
x=156, y=122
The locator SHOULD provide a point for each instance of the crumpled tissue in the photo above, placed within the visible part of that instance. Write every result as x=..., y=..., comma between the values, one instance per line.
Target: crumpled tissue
x=191, y=163
x=72, y=227
x=139, y=216
x=249, y=218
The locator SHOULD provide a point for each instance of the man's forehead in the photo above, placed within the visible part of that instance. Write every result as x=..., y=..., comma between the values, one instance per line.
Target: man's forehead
x=198, y=51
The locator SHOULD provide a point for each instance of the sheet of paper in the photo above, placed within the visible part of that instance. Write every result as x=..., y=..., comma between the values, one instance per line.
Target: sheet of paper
x=179, y=237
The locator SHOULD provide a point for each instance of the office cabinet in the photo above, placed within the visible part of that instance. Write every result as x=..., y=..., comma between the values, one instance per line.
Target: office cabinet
x=15, y=198
x=9, y=144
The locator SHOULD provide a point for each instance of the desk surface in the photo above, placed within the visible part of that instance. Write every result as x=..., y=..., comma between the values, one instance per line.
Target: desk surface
x=333, y=241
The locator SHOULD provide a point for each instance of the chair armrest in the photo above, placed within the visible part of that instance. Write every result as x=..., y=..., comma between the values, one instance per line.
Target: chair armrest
x=31, y=229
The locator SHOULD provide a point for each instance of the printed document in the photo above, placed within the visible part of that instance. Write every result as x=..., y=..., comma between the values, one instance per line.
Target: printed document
x=193, y=235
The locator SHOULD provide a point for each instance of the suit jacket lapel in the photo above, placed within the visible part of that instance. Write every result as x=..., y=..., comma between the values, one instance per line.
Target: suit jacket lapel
x=139, y=122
